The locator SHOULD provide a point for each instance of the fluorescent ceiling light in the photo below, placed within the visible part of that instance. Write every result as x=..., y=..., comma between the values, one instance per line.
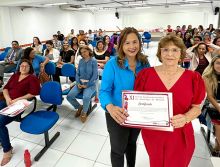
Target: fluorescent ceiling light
x=143, y=7
x=55, y=4
x=196, y=1
x=190, y=4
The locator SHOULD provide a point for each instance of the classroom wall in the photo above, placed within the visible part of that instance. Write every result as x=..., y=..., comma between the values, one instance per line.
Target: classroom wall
x=22, y=25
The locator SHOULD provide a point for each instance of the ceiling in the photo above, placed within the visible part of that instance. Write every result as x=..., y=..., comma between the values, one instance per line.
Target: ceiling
x=97, y=5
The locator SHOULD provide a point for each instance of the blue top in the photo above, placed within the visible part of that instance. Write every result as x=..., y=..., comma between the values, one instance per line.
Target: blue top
x=35, y=63
x=87, y=70
x=115, y=79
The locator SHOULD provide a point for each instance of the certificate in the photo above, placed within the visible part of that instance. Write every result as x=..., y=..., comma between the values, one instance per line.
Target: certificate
x=148, y=110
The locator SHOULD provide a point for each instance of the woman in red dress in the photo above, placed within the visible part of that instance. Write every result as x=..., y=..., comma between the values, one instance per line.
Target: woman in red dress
x=172, y=149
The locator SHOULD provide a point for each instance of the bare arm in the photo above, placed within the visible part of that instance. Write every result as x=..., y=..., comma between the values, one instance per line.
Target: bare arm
x=180, y=120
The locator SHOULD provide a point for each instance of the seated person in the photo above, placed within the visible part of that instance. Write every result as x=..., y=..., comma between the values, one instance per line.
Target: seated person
x=101, y=54
x=38, y=62
x=21, y=85
x=50, y=52
x=211, y=76
x=86, y=77
x=38, y=47
x=78, y=57
x=66, y=56
x=108, y=44
x=56, y=43
x=11, y=60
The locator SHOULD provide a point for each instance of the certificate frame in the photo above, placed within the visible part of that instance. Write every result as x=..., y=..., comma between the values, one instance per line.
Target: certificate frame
x=148, y=101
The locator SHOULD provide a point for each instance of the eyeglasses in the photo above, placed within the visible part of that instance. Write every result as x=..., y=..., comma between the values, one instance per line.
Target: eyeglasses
x=173, y=50
x=65, y=44
x=23, y=66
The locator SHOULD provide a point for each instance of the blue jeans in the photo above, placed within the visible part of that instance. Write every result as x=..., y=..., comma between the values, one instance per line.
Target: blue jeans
x=87, y=95
x=4, y=136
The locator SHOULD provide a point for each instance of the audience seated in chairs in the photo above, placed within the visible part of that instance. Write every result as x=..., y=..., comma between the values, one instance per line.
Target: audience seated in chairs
x=38, y=62
x=67, y=55
x=10, y=61
x=102, y=56
x=50, y=52
x=38, y=47
x=211, y=76
x=21, y=85
x=86, y=77
x=200, y=56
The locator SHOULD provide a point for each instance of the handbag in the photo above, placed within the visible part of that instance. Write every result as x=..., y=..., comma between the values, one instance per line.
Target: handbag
x=43, y=77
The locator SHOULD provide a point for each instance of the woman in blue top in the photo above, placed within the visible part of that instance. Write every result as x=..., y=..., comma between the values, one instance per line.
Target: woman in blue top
x=86, y=76
x=38, y=62
x=119, y=74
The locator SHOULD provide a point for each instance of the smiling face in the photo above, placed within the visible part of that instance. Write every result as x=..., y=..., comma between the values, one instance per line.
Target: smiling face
x=100, y=46
x=24, y=68
x=131, y=46
x=170, y=55
x=84, y=53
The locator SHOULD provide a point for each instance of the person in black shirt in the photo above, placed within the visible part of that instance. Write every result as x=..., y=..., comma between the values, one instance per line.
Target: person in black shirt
x=67, y=55
x=211, y=76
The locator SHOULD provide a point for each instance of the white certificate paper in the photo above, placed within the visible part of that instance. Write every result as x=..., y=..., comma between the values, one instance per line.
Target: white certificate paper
x=151, y=110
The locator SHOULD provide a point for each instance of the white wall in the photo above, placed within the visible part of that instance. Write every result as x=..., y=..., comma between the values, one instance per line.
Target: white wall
x=44, y=22
x=41, y=22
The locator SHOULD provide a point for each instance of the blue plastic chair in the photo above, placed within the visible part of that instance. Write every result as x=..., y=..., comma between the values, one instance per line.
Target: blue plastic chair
x=147, y=38
x=50, y=69
x=3, y=55
x=40, y=122
x=68, y=70
x=7, y=49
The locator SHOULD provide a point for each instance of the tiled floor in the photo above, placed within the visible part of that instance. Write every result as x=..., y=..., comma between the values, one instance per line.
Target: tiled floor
x=87, y=145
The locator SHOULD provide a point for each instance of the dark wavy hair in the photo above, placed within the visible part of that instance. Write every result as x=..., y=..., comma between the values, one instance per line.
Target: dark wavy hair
x=121, y=55
x=33, y=45
x=26, y=54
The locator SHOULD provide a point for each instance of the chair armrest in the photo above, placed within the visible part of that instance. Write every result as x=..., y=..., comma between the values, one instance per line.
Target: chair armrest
x=19, y=118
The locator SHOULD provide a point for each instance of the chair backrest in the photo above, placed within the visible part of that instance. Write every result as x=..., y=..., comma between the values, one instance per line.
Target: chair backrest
x=7, y=49
x=50, y=68
x=3, y=55
x=68, y=70
x=51, y=92
x=147, y=35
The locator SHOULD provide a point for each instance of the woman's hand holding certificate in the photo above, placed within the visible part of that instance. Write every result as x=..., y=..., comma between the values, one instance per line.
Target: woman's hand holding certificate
x=117, y=113
x=152, y=110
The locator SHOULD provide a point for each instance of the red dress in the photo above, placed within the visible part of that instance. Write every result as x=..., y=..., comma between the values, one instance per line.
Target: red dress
x=172, y=149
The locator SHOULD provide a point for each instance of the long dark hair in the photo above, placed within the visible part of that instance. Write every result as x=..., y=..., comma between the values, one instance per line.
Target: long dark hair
x=27, y=52
x=121, y=55
x=50, y=42
x=33, y=45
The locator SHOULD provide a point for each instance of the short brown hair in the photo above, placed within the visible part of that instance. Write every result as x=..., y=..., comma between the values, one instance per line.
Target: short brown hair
x=87, y=48
x=31, y=71
x=176, y=41
x=121, y=55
